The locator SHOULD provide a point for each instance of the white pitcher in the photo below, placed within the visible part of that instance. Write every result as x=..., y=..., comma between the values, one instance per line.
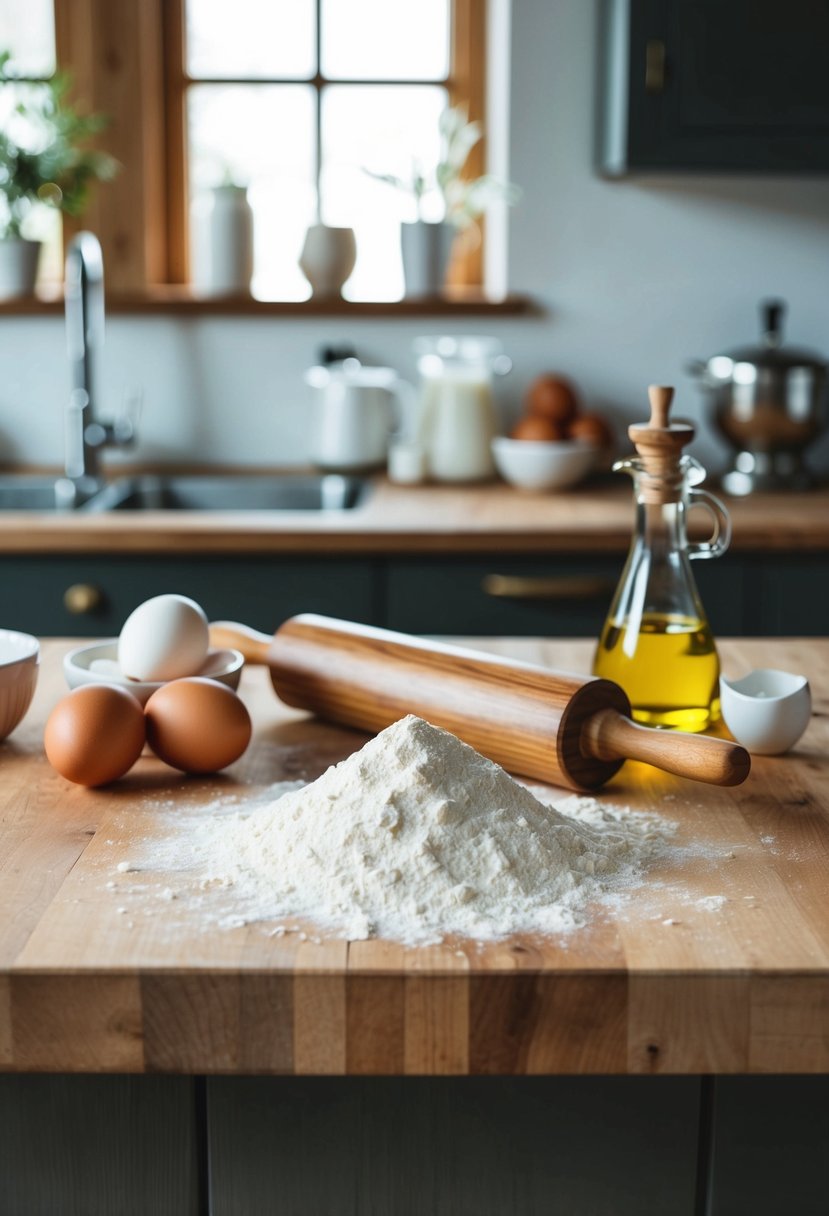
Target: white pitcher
x=355, y=411
x=458, y=418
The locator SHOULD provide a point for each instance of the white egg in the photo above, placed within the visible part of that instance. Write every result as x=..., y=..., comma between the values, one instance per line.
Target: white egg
x=163, y=639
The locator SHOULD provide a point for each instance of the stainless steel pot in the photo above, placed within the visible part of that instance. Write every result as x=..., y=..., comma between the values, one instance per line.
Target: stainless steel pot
x=769, y=403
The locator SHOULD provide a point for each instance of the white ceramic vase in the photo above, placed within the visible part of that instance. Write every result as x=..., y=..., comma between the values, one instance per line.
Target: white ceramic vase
x=426, y=250
x=222, y=249
x=328, y=258
x=18, y=267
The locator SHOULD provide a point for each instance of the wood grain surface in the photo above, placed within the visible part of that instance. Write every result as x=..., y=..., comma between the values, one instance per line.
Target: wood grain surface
x=493, y=518
x=671, y=982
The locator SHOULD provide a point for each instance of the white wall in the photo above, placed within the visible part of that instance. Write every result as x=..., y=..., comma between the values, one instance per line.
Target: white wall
x=636, y=276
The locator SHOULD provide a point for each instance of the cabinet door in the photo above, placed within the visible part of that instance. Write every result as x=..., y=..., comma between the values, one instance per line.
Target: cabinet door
x=35, y=593
x=703, y=85
x=452, y=1146
x=100, y=1145
x=493, y=596
x=787, y=597
x=551, y=597
x=770, y=1146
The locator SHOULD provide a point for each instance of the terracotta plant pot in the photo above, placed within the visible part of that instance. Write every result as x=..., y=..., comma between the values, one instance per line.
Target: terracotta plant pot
x=18, y=267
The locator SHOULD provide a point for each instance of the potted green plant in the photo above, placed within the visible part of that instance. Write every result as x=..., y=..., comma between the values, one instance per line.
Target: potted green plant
x=427, y=245
x=45, y=160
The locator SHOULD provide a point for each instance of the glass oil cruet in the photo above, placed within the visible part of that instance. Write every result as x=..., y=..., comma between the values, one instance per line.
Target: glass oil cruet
x=657, y=643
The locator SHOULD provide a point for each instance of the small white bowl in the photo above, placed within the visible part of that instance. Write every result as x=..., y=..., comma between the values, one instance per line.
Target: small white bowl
x=19, y=662
x=543, y=465
x=767, y=711
x=98, y=664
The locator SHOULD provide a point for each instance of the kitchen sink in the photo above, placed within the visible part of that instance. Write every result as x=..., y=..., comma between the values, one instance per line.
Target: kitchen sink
x=214, y=492
x=31, y=492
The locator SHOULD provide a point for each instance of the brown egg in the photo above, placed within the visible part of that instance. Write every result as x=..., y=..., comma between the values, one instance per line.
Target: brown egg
x=533, y=429
x=592, y=428
x=554, y=398
x=197, y=725
x=95, y=735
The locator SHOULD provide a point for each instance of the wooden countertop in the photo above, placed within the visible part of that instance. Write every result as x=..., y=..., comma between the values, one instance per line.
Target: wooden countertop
x=95, y=977
x=594, y=518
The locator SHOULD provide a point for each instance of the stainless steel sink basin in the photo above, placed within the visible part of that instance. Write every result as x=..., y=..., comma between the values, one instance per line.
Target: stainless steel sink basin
x=282, y=492
x=30, y=492
x=215, y=492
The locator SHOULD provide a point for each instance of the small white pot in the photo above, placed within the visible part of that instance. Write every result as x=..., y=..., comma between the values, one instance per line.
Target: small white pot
x=426, y=250
x=18, y=267
x=328, y=258
x=222, y=241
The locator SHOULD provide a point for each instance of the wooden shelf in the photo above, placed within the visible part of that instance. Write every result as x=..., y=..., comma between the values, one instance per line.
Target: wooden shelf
x=179, y=301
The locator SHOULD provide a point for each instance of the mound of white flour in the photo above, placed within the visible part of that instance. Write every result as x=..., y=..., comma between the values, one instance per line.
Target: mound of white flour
x=417, y=837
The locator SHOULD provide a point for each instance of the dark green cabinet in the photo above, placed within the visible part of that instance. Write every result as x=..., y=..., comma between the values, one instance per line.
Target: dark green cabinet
x=534, y=597
x=489, y=595
x=705, y=86
x=412, y=1146
x=260, y=592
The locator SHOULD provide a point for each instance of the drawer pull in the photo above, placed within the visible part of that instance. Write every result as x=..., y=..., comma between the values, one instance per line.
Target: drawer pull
x=558, y=588
x=81, y=599
x=654, y=66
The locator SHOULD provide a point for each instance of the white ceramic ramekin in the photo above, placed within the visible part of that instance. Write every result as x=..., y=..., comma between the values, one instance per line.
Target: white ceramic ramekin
x=767, y=711
x=96, y=663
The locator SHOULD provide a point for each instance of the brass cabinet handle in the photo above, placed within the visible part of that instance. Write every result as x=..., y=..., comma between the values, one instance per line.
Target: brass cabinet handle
x=81, y=599
x=654, y=66
x=557, y=587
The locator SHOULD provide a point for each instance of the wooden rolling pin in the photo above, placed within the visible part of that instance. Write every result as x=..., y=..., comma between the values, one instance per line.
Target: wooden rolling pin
x=556, y=727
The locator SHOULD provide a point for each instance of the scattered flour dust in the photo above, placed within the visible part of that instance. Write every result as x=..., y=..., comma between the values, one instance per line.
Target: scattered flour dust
x=414, y=838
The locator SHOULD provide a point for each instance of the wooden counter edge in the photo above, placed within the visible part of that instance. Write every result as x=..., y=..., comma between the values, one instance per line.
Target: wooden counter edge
x=413, y=1024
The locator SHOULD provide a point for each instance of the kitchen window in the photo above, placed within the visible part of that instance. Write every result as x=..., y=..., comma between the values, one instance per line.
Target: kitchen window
x=298, y=110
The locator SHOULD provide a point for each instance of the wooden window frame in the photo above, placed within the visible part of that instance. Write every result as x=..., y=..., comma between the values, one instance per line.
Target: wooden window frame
x=126, y=60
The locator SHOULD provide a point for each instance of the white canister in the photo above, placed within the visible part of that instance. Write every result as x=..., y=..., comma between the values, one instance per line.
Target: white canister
x=222, y=251
x=407, y=463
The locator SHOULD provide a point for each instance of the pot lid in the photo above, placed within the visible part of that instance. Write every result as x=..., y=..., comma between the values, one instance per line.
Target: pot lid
x=770, y=354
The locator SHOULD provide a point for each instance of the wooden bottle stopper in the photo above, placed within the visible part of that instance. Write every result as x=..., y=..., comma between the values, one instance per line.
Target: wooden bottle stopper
x=659, y=442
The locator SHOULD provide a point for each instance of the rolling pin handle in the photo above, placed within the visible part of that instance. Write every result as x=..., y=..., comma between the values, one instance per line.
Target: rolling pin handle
x=609, y=735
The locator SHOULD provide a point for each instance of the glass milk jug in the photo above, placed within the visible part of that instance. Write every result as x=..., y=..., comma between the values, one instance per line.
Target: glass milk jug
x=657, y=642
x=457, y=417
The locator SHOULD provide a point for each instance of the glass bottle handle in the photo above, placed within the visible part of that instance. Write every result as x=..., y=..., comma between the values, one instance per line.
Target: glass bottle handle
x=721, y=537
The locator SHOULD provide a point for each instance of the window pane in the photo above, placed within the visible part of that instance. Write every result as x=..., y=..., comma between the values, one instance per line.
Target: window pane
x=27, y=29
x=384, y=40
x=251, y=38
x=261, y=136
x=387, y=130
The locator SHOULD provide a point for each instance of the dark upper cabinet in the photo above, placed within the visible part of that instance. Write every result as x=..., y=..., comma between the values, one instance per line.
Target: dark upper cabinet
x=714, y=86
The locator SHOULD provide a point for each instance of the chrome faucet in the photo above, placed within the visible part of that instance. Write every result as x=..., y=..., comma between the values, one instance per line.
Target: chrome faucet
x=84, y=306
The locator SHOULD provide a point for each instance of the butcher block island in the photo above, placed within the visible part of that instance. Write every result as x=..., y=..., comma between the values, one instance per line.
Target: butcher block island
x=717, y=963
x=153, y=1060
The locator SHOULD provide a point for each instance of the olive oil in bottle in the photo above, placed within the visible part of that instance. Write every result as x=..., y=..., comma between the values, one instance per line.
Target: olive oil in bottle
x=668, y=667
x=657, y=643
